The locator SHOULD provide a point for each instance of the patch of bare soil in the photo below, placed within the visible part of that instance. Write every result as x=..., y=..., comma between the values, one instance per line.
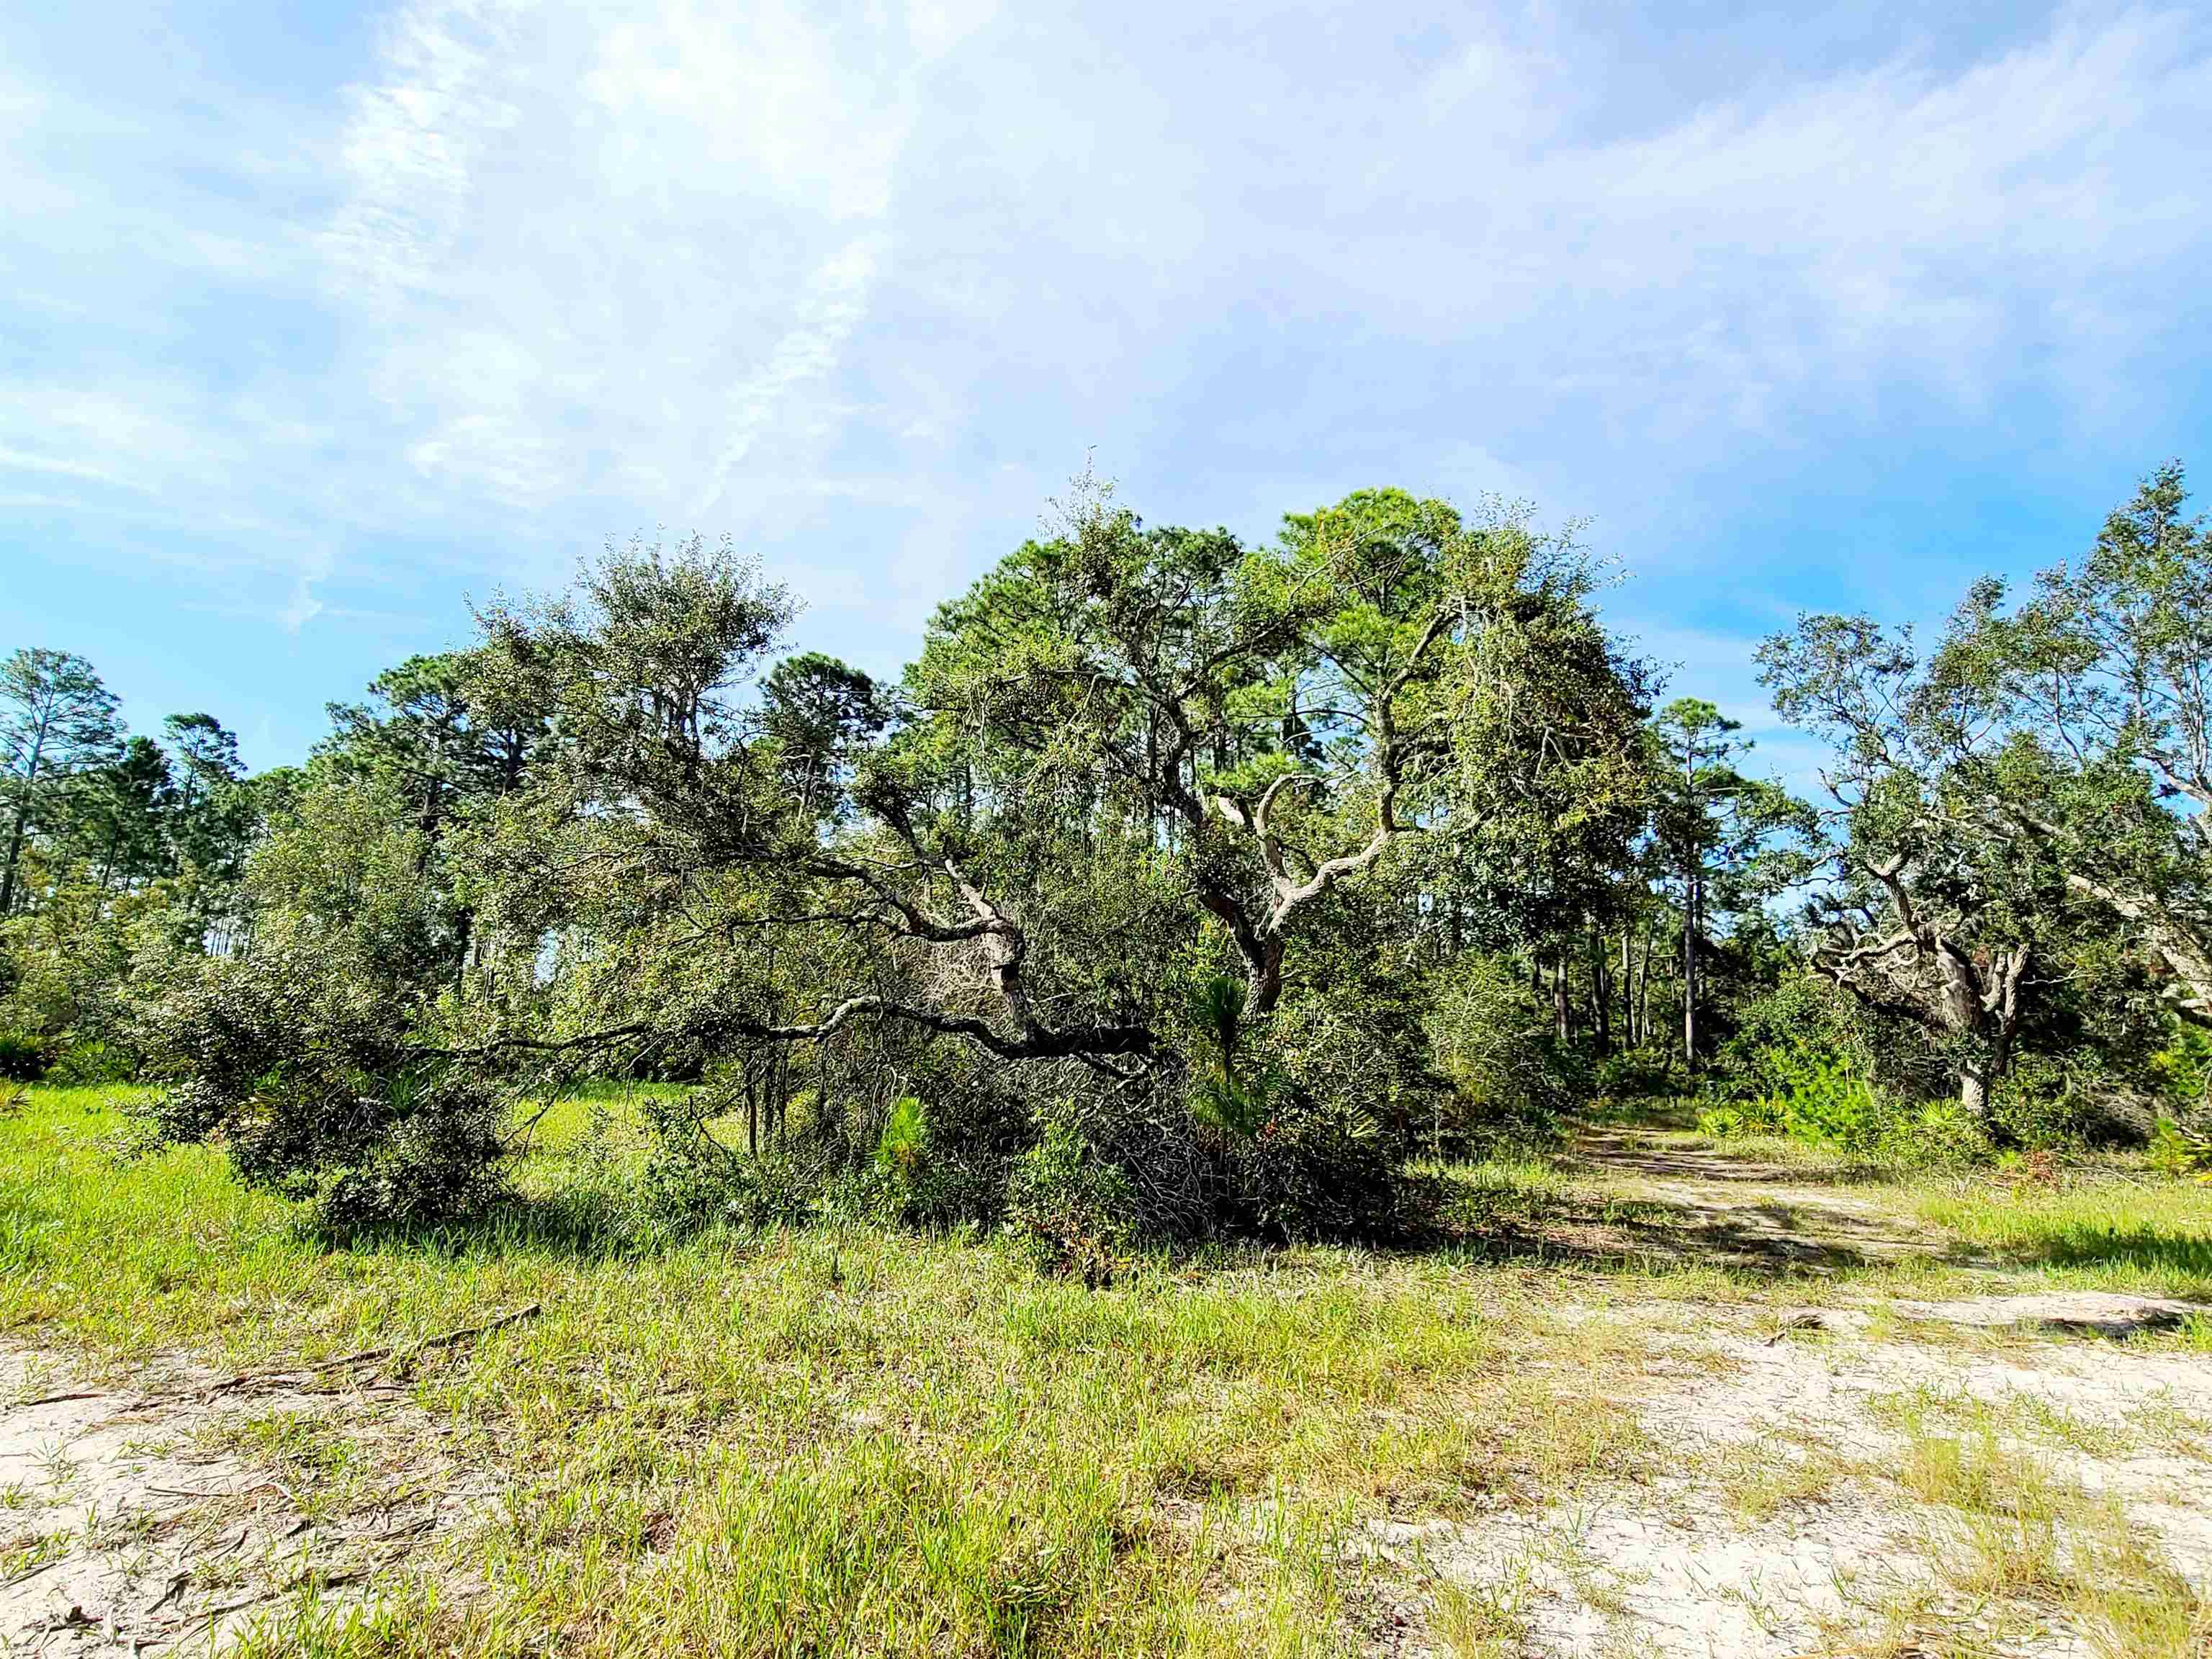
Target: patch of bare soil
x=1702, y=1203
x=1782, y=1512
x=180, y=1509
x=1779, y=1524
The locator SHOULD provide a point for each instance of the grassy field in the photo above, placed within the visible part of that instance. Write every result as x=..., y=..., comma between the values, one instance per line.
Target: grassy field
x=843, y=1440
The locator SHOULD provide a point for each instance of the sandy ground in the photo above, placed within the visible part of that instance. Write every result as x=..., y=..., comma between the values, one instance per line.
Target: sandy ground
x=173, y=1513
x=1670, y=1566
x=170, y=1511
x=1771, y=1519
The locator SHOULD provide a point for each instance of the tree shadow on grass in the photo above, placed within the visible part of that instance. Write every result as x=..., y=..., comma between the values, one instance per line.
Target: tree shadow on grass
x=575, y=1226
x=1602, y=1234
x=1634, y=1153
x=1444, y=1215
x=2147, y=1249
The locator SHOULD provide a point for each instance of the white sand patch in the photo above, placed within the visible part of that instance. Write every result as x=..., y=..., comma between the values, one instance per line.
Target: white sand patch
x=1673, y=1566
x=177, y=1513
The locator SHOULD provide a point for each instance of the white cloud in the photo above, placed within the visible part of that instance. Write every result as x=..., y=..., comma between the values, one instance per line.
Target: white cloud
x=414, y=142
x=1880, y=226
x=865, y=281
x=303, y=609
x=18, y=460
x=831, y=306
x=617, y=256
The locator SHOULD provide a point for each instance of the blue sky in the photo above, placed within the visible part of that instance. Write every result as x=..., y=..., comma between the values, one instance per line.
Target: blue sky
x=314, y=321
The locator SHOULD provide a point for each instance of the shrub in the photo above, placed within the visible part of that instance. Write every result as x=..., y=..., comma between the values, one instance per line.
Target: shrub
x=23, y=1058
x=1821, y=1096
x=306, y=1079
x=2182, y=1071
x=899, y=1148
x=1784, y=1040
x=2044, y=1102
x=945, y=1150
x=937, y=1156
x=1930, y=1135
x=1637, y=1074
x=2181, y=1152
x=1855, y=1117
x=1801, y=1065
x=1511, y=1079
x=429, y=1153
x=1300, y=1129
x=693, y=1179
x=1314, y=1171
x=1734, y=1119
x=1766, y=1055
x=1074, y=1209
x=94, y=1062
x=1281, y=1138
x=1797, y=1065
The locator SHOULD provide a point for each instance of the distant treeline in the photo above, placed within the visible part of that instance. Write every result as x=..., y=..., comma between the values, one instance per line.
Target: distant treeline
x=1178, y=884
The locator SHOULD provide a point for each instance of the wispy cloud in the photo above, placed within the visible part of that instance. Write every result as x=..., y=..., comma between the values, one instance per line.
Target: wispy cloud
x=412, y=144
x=864, y=283
x=603, y=257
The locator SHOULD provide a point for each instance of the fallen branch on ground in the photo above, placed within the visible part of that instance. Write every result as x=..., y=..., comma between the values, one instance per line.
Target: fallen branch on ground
x=445, y=1339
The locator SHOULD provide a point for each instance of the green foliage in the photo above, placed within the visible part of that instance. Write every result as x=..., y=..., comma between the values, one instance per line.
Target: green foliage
x=1318, y=1170
x=95, y=1061
x=945, y=1163
x=1636, y=1074
x=2179, y=1152
x=1075, y=1210
x=2047, y=1100
x=1796, y=1032
x=2182, y=1069
x=938, y=1158
x=58, y=725
x=1229, y=1090
x=299, y=1057
x=1800, y=1066
x=1511, y=1080
x=23, y=1057
x=1873, y=1128
x=1184, y=885
x=2176, y=1151
x=906, y=1133
x=1825, y=1107
x=694, y=1179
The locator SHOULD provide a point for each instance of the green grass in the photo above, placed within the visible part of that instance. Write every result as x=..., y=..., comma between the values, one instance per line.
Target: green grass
x=2024, y=1540
x=2117, y=1230
x=846, y=1441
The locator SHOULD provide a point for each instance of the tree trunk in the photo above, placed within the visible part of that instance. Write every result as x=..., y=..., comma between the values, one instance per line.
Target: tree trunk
x=183, y=823
x=14, y=852
x=22, y=818
x=1627, y=991
x=1643, y=991
x=1601, y=996
x=1690, y=980
x=1562, y=1013
x=1980, y=1074
x=1974, y=1089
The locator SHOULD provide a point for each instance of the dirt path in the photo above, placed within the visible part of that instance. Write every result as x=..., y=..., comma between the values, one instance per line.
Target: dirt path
x=175, y=1512
x=2019, y=1472
x=1728, y=1207
x=1853, y=1497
